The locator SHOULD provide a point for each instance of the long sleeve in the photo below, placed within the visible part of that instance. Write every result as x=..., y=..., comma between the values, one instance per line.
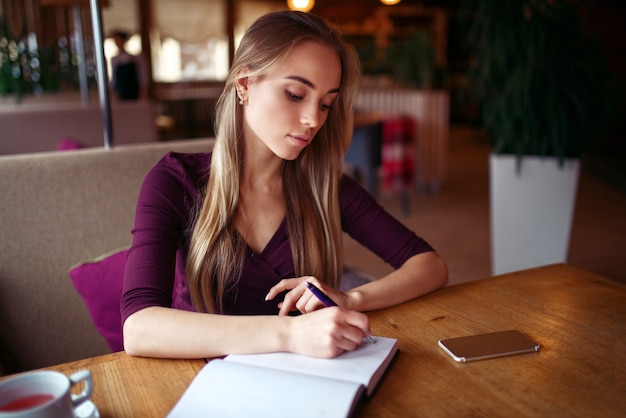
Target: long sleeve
x=374, y=228
x=160, y=234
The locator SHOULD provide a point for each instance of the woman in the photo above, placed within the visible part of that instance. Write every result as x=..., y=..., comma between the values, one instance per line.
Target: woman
x=229, y=238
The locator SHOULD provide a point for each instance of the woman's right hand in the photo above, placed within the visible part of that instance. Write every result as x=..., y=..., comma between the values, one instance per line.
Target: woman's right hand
x=327, y=332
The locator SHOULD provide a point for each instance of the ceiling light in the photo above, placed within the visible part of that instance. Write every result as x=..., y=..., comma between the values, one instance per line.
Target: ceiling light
x=390, y=2
x=301, y=5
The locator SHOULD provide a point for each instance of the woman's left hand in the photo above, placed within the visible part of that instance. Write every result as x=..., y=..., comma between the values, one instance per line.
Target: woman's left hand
x=300, y=298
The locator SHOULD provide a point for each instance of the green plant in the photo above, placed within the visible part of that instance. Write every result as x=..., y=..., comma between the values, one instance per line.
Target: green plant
x=412, y=60
x=11, y=62
x=540, y=76
x=50, y=71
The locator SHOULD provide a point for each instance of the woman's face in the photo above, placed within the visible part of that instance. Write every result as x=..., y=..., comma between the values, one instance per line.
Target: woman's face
x=285, y=108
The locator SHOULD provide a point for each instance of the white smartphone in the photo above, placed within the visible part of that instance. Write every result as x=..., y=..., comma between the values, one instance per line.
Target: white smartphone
x=490, y=345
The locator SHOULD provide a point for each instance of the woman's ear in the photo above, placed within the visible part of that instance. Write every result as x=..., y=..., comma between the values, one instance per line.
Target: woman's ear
x=241, y=84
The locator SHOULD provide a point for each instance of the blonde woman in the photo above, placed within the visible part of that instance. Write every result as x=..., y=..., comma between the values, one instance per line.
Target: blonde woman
x=224, y=241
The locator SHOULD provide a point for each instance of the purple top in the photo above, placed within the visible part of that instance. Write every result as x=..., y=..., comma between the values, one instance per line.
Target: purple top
x=155, y=269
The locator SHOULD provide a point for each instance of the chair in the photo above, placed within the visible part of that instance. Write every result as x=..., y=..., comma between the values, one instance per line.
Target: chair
x=364, y=156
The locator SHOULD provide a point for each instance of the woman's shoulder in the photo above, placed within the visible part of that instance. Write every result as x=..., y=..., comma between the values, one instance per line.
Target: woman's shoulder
x=186, y=158
x=351, y=193
x=192, y=168
x=185, y=162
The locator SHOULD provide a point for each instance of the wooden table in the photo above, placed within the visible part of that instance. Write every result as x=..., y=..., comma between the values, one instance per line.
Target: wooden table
x=134, y=387
x=578, y=318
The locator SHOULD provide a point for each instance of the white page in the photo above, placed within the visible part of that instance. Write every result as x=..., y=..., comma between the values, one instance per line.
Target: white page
x=227, y=389
x=365, y=365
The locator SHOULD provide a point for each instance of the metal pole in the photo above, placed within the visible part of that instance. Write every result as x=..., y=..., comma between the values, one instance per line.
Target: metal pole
x=101, y=72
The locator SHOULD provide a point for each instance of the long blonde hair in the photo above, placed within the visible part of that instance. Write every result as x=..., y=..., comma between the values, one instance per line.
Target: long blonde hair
x=310, y=182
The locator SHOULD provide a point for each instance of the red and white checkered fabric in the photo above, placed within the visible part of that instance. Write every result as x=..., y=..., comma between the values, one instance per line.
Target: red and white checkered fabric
x=398, y=162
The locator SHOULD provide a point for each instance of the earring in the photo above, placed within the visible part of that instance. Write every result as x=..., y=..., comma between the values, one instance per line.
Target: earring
x=241, y=101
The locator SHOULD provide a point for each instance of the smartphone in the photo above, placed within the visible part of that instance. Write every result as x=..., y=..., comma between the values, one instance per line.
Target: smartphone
x=490, y=345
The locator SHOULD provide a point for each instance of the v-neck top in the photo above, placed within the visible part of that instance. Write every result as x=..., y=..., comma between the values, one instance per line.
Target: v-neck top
x=170, y=195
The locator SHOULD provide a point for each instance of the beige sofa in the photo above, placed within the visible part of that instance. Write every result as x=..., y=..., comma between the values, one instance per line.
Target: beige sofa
x=41, y=127
x=58, y=209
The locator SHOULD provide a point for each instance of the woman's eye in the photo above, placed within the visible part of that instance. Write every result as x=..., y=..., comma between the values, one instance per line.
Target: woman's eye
x=327, y=107
x=293, y=96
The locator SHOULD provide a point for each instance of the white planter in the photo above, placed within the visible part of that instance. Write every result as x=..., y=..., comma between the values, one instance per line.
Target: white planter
x=531, y=211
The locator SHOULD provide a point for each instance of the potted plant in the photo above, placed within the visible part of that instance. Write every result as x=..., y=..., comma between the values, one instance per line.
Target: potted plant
x=543, y=88
x=11, y=62
x=412, y=60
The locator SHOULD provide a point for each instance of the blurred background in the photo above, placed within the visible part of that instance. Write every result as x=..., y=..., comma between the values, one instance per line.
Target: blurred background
x=414, y=50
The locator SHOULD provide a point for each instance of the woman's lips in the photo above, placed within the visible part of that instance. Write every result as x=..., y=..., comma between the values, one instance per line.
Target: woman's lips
x=300, y=139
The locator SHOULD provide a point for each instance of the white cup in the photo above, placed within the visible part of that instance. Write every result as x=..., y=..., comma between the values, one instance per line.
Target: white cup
x=43, y=394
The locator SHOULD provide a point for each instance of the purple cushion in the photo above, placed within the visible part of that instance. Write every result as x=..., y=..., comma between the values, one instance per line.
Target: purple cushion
x=69, y=143
x=99, y=282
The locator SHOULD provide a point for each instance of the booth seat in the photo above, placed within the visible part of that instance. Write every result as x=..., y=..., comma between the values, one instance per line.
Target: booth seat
x=39, y=127
x=66, y=221
x=60, y=209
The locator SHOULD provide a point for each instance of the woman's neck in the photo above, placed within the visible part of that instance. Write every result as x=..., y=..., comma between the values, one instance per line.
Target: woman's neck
x=261, y=169
x=261, y=207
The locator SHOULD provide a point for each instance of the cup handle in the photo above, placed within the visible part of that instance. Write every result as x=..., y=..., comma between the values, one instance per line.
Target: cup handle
x=83, y=375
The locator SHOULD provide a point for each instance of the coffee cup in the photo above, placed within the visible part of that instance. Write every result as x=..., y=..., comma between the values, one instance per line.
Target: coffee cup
x=43, y=394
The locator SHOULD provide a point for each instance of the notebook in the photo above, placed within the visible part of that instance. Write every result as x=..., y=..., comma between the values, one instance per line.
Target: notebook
x=286, y=384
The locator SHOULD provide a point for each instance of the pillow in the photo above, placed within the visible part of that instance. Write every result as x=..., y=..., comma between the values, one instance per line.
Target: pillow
x=99, y=282
x=69, y=143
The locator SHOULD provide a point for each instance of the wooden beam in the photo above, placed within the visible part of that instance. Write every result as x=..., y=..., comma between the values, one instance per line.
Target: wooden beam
x=145, y=12
x=230, y=29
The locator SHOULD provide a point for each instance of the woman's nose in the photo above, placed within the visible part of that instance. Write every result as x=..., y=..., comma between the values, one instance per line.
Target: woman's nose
x=311, y=116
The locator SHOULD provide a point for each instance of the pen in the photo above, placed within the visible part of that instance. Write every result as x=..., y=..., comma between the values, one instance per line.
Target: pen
x=328, y=302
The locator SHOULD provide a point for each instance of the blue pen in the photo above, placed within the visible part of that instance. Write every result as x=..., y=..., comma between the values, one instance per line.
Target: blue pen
x=328, y=302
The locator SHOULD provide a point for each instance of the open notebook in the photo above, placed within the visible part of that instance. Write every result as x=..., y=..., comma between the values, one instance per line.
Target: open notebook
x=286, y=384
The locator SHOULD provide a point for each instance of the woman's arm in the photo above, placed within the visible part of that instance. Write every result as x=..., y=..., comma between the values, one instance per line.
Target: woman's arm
x=166, y=332
x=419, y=269
x=419, y=275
